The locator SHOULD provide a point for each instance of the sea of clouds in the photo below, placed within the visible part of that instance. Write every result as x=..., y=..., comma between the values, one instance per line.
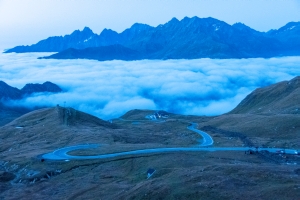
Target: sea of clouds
x=111, y=88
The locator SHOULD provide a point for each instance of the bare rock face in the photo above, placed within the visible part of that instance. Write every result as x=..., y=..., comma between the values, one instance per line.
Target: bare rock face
x=279, y=98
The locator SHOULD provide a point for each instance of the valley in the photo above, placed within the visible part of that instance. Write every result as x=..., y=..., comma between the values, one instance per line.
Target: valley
x=184, y=174
x=150, y=100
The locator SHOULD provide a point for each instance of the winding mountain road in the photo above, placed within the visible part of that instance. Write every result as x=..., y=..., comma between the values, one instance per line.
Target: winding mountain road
x=207, y=139
x=62, y=154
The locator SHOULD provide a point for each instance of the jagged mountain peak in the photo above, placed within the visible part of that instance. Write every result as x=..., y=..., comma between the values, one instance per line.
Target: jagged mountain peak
x=139, y=27
x=189, y=38
x=290, y=26
x=242, y=27
x=134, y=31
x=198, y=19
x=86, y=31
x=173, y=20
x=107, y=32
x=51, y=87
x=202, y=22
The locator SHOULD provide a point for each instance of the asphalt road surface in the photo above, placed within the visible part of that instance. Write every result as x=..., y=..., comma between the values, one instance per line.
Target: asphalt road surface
x=62, y=154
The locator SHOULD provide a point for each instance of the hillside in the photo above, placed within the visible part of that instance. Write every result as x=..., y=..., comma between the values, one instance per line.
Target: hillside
x=180, y=175
x=269, y=116
x=280, y=98
x=189, y=38
x=49, y=127
x=8, y=113
x=184, y=175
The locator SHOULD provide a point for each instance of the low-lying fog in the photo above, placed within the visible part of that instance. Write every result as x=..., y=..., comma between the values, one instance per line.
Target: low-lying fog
x=109, y=89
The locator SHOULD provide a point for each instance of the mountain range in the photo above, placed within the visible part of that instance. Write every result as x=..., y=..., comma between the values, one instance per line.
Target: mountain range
x=189, y=38
x=9, y=92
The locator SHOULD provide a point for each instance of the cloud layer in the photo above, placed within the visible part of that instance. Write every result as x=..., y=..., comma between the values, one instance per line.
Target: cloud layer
x=109, y=89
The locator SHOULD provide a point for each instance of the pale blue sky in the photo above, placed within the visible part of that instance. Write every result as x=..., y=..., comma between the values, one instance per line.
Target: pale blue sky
x=24, y=22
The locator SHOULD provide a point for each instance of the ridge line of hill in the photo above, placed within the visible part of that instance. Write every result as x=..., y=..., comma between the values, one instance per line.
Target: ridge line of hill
x=9, y=92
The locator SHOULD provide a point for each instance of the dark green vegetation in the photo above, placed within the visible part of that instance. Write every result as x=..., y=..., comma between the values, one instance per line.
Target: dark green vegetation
x=189, y=38
x=202, y=175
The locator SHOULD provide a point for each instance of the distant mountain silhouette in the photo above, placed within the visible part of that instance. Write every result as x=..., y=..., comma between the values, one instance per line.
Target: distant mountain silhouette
x=279, y=98
x=78, y=39
x=45, y=87
x=189, y=38
x=9, y=112
x=8, y=92
x=111, y=52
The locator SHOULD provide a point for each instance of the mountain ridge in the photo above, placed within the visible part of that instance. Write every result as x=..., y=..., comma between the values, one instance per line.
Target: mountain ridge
x=278, y=98
x=189, y=38
x=9, y=112
x=102, y=53
x=9, y=92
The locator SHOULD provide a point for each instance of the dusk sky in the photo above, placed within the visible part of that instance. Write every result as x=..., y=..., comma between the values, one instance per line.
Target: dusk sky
x=27, y=22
